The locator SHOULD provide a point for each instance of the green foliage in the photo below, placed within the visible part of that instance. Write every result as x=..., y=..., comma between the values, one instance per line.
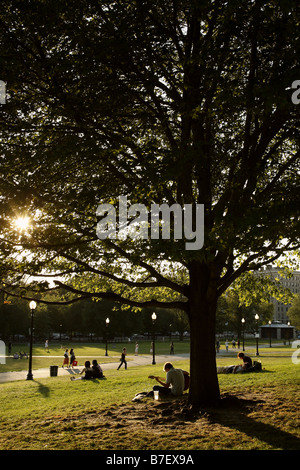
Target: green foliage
x=231, y=310
x=258, y=287
x=172, y=102
x=294, y=312
x=84, y=318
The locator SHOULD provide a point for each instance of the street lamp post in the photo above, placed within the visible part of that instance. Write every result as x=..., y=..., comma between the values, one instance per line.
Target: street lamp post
x=243, y=325
x=256, y=319
x=153, y=328
x=289, y=331
x=270, y=333
x=32, y=306
x=107, y=323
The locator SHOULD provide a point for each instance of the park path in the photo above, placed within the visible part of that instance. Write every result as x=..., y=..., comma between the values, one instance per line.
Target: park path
x=133, y=361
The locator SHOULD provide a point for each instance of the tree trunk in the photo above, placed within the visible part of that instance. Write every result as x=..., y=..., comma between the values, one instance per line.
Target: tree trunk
x=204, y=386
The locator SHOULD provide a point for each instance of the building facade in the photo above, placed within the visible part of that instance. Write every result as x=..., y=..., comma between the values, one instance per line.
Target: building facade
x=278, y=330
x=292, y=283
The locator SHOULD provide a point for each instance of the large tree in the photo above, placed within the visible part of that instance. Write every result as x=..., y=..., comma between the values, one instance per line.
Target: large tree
x=178, y=101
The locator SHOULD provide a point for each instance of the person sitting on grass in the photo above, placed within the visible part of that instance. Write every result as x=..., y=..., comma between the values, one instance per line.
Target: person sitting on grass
x=87, y=370
x=97, y=370
x=174, y=383
x=247, y=363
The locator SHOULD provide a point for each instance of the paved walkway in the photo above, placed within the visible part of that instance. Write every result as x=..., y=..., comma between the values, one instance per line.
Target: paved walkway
x=141, y=360
x=132, y=362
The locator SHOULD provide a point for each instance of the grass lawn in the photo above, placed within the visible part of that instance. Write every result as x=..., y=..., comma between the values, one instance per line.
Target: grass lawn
x=258, y=411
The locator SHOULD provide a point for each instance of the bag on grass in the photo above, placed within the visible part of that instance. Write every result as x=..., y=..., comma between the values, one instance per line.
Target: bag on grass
x=186, y=382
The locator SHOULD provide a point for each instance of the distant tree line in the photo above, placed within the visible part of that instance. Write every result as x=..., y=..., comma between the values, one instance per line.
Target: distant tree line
x=87, y=318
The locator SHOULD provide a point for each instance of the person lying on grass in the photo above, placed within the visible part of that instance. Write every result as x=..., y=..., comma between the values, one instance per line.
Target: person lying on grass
x=245, y=367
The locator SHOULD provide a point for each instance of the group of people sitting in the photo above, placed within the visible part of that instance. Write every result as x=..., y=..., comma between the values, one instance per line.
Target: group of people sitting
x=90, y=372
x=20, y=355
x=176, y=381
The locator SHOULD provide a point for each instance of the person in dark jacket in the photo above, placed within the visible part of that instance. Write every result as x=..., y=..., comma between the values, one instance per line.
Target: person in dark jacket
x=123, y=359
x=247, y=362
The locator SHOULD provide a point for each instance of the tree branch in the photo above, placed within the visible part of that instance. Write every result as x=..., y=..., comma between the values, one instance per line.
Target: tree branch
x=118, y=298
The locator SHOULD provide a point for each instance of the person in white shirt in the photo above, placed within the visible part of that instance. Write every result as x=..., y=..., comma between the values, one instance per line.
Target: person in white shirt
x=174, y=383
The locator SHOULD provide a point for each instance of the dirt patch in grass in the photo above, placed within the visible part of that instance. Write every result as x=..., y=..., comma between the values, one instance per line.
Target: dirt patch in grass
x=264, y=418
x=253, y=421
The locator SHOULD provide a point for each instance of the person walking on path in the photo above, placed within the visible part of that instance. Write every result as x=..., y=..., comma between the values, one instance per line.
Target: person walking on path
x=72, y=357
x=66, y=358
x=123, y=359
x=136, y=348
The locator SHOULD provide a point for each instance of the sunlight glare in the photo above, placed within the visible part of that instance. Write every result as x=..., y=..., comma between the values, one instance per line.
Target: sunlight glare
x=22, y=223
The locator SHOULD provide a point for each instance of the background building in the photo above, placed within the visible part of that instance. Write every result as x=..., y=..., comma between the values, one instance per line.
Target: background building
x=292, y=283
x=278, y=330
x=280, y=327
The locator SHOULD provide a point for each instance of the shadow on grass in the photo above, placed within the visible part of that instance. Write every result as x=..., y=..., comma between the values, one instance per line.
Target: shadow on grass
x=43, y=389
x=223, y=371
x=233, y=413
x=72, y=371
